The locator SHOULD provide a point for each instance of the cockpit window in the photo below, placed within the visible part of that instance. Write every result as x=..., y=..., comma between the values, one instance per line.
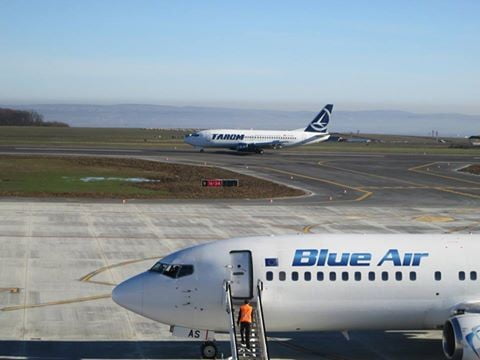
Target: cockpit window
x=173, y=271
x=193, y=135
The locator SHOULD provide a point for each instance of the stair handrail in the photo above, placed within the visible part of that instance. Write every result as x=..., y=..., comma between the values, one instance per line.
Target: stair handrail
x=233, y=338
x=262, y=320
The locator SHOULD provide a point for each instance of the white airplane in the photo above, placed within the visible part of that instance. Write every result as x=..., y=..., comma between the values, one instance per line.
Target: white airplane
x=317, y=283
x=258, y=140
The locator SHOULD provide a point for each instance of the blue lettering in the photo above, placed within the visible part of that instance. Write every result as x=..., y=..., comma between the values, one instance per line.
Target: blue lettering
x=360, y=259
x=305, y=257
x=322, y=258
x=393, y=256
x=332, y=259
x=311, y=257
x=407, y=259
x=417, y=257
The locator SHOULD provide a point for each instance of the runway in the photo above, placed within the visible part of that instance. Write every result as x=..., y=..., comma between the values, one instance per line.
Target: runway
x=60, y=259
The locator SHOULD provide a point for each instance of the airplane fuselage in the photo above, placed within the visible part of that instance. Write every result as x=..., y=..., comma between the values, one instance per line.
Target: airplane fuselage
x=317, y=282
x=241, y=139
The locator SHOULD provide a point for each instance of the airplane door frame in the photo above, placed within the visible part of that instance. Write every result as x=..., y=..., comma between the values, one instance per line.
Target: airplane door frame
x=249, y=271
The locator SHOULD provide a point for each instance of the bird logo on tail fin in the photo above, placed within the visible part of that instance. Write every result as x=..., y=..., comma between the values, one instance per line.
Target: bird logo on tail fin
x=320, y=122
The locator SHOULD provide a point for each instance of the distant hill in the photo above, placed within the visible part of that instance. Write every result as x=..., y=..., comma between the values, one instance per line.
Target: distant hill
x=11, y=117
x=161, y=116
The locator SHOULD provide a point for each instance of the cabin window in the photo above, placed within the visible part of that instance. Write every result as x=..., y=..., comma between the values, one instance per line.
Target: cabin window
x=413, y=276
x=398, y=276
x=371, y=276
x=473, y=275
x=320, y=276
x=185, y=270
x=345, y=276
x=333, y=276
x=461, y=275
x=384, y=276
x=282, y=276
x=358, y=276
x=173, y=271
x=438, y=275
x=307, y=276
x=295, y=276
x=269, y=276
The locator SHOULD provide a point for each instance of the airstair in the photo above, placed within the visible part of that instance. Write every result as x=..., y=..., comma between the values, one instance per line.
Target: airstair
x=258, y=339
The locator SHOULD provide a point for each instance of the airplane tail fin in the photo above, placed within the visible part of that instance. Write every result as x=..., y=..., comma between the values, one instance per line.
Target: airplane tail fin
x=320, y=122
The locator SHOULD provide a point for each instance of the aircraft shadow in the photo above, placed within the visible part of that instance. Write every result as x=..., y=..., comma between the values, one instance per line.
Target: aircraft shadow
x=301, y=346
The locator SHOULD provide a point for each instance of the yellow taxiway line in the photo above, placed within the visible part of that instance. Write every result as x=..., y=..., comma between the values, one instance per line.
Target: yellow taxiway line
x=365, y=193
x=419, y=169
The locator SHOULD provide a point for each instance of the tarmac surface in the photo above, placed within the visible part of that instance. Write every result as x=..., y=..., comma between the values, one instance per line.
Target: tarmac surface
x=60, y=259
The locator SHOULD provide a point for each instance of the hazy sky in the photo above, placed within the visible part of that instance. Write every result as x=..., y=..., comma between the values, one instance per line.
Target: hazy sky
x=408, y=55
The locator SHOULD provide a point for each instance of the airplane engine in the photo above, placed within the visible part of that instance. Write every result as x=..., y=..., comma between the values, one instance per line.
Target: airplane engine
x=461, y=337
x=248, y=148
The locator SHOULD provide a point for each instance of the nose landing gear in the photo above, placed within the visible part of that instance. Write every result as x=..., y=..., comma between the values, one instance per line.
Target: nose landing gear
x=209, y=350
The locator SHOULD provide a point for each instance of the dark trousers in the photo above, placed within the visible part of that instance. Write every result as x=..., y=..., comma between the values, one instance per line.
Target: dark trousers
x=245, y=329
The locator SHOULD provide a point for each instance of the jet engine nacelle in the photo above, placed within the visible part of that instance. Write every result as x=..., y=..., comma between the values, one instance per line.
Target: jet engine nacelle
x=248, y=148
x=461, y=337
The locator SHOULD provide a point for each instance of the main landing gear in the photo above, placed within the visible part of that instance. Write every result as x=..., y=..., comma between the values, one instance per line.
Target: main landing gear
x=209, y=350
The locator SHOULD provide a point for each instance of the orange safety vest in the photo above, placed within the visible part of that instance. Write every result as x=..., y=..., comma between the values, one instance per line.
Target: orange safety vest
x=246, y=313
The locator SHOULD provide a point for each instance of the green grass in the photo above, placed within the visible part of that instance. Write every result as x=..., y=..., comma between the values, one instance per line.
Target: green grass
x=56, y=176
x=108, y=137
x=63, y=176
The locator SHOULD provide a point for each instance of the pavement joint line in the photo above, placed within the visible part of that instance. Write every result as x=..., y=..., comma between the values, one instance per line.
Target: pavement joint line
x=305, y=350
x=52, y=303
x=86, y=278
x=464, y=228
x=419, y=168
x=365, y=195
x=28, y=239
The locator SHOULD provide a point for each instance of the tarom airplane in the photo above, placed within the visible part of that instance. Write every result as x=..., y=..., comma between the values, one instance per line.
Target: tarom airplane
x=257, y=140
x=316, y=283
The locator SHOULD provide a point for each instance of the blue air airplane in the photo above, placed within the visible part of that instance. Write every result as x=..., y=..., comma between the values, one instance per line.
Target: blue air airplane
x=257, y=140
x=332, y=282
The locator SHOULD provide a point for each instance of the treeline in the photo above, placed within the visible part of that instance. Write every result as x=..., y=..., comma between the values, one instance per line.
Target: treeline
x=10, y=117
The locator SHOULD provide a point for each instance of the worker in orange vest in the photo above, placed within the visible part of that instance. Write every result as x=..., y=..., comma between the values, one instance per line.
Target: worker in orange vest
x=245, y=322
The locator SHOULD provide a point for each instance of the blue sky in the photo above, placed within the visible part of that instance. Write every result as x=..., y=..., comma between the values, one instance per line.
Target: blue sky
x=410, y=55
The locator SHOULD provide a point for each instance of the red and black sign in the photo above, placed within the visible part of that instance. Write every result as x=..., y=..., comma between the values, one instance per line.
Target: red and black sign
x=219, y=182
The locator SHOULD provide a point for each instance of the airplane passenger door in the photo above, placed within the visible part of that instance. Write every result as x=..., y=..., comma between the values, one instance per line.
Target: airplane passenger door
x=241, y=274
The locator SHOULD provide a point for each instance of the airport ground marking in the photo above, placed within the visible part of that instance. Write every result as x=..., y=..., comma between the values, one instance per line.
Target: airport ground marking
x=59, y=302
x=457, y=192
x=308, y=229
x=448, y=189
x=323, y=163
x=419, y=169
x=12, y=290
x=365, y=193
x=305, y=350
x=469, y=227
x=88, y=277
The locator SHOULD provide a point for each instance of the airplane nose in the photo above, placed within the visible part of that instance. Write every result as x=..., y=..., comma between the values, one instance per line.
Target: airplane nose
x=129, y=294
